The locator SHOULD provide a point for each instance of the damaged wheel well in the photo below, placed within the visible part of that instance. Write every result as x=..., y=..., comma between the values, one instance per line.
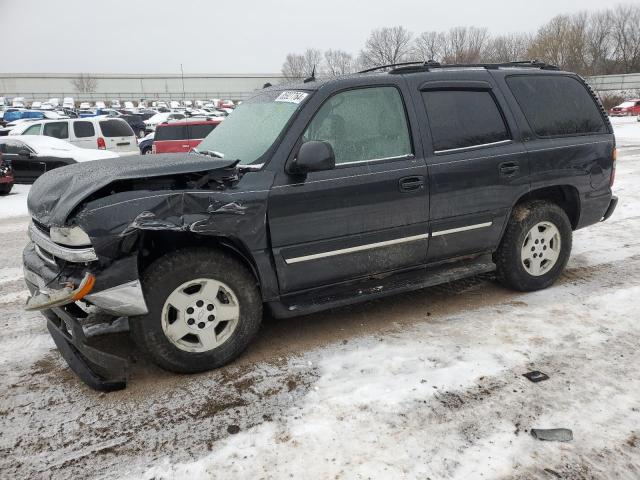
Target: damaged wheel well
x=154, y=244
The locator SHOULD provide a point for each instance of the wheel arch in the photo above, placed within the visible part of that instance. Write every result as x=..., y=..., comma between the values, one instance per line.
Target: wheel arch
x=154, y=244
x=565, y=196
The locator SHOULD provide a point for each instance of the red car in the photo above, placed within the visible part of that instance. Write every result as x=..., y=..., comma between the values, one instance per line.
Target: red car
x=182, y=136
x=626, y=109
x=6, y=176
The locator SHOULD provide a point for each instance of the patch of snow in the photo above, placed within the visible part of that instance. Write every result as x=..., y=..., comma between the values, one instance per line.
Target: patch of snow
x=15, y=204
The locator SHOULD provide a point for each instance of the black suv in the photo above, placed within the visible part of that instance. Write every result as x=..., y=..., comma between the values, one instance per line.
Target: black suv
x=318, y=195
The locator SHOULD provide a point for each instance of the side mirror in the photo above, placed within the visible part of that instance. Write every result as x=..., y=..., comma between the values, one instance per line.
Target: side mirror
x=313, y=156
x=23, y=152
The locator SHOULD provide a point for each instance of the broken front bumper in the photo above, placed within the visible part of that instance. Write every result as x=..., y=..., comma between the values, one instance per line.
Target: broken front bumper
x=100, y=370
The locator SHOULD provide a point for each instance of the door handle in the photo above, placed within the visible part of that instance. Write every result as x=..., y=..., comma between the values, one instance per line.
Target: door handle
x=508, y=169
x=411, y=184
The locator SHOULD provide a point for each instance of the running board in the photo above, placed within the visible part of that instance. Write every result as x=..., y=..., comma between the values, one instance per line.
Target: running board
x=316, y=300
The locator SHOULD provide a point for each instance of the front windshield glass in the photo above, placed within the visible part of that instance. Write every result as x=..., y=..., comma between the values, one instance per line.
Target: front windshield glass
x=251, y=129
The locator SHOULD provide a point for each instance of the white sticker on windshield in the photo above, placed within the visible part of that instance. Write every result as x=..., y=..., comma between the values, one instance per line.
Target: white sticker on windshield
x=292, y=97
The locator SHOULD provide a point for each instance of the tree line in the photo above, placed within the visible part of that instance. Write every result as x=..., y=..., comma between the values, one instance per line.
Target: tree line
x=588, y=43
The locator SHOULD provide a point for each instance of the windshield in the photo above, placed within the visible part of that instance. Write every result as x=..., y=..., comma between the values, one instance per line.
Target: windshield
x=252, y=128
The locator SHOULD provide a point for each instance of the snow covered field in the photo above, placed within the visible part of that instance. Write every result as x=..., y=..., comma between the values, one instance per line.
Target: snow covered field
x=422, y=385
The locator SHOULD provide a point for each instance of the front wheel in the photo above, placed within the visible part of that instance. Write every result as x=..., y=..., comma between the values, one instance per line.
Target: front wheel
x=204, y=309
x=535, y=247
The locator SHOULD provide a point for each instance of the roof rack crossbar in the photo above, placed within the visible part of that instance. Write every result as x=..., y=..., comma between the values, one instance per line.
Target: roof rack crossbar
x=390, y=65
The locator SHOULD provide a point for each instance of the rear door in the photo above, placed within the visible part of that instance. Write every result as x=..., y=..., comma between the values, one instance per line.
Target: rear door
x=367, y=216
x=478, y=166
x=171, y=139
x=118, y=135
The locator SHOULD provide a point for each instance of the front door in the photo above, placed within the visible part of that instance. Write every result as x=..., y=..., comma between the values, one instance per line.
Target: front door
x=367, y=216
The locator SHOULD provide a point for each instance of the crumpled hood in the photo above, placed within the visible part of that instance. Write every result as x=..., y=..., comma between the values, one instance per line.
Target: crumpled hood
x=55, y=194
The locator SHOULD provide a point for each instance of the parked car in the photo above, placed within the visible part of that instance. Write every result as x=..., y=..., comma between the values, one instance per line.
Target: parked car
x=31, y=156
x=6, y=176
x=18, y=102
x=94, y=132
x=146, y=144
x=151, y=123
x=68, y=102
x=626, y=109
x=182, y=136
x=36, y=105
x=54, y=102
x=100, y=104
x=317, y=195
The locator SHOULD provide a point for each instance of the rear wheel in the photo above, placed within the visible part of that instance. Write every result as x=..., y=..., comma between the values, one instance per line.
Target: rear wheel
x=146, y=151
x=535, y=247
x=5, y=188
x=204, y=309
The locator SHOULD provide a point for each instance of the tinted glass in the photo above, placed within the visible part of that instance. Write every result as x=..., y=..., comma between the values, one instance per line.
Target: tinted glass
x=115, y=128
x=362, y=124
x=32, y=130
x=56, y=130
x=83, y=129
x=200, y=131
x=556, y=105
x=171, y=132
x=460, y=119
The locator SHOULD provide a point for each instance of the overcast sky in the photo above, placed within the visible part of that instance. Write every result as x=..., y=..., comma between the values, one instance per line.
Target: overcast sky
x=230, y=36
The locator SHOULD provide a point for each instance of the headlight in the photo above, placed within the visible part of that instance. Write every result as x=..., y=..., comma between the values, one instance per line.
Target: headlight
x=72, y=236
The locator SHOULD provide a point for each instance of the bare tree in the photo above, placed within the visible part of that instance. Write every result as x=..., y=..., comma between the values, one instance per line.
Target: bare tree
x=386, y=46
x=293, y=67
x=297, y=66
x=429, y=46
x=338, y=62
x=626, y=35
x=85, y=83
x=312, y=61
x=507, y=48
x=599, y=43
x=465, y=44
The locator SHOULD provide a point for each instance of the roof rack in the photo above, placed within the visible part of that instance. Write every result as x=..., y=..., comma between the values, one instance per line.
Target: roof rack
x=411, y=67
x=390, y=65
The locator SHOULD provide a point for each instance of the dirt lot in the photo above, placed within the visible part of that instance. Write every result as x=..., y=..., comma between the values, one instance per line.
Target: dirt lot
x=422, y=385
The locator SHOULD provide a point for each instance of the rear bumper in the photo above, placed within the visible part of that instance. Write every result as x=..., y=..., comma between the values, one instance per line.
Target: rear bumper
x=612, y=206
x=99, y=370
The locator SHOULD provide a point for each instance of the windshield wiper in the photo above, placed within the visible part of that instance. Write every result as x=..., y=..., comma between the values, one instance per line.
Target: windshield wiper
x=211, y=153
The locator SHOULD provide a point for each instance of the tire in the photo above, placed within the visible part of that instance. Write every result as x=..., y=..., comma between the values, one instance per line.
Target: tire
x=5, y=188
x=518, y=273
x=146, y=151
x=165, y=280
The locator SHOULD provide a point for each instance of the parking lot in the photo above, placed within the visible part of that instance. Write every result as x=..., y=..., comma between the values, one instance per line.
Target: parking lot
x=426, y=384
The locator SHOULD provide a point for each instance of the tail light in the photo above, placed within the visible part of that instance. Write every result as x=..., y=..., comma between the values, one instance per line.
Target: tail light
x=101, y=144
x=614, y=157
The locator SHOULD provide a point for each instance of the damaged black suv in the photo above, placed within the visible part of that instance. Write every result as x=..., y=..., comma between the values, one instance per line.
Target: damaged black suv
x=317, y=195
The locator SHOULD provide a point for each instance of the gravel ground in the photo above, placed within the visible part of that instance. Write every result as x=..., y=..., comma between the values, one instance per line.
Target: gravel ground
x=421, y=385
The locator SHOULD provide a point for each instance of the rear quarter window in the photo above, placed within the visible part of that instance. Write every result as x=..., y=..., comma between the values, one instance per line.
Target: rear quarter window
x=115, y=128
x=170, y=132
x=56, y=130
x=556, y=105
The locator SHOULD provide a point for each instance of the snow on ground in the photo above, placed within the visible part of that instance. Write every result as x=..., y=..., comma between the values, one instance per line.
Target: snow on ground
x=14, y=204
x=627, y=129
x=426, y=384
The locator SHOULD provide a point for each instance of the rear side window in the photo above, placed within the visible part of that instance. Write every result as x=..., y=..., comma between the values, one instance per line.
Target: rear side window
x=83, y=129
x=56, y=130
x=115, y=128
x=171, y=132
x=556, y=105
x=463, y=119
x=200, y=131
x=32, y=130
